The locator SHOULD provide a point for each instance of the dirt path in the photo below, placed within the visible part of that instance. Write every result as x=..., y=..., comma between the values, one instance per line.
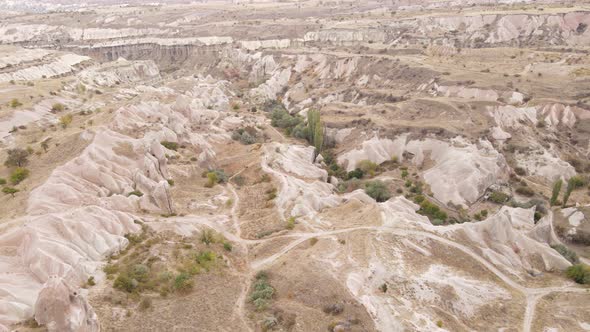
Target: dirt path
x=239, y=309
x=532, y=295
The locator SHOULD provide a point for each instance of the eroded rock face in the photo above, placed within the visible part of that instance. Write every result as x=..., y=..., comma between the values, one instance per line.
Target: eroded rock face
x=83, y=211
x=120, y=71
x=510, y=239
x=298, y=197
x=61, y=307
x=59, y=66
x=502, y=29
x=462, y=170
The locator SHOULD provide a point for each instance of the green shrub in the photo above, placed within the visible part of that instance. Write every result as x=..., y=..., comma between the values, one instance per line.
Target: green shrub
x=227, y=246
x=437, y=222
x=481, y=215
x=567, y=253
x=110, y=269
x=357, y=173
x=139, y=272
x=57, y=107
x=262, y=292
x=215, y=176
x=14, y=103
x=90, y=281
x=377, y=190
x=245, y=136
x=208, y=237
x=498, y=197
x=124, y=283
x=18, y=175
x=431, y=210
x=290, y=223
x=66, y=120
x=580, y=273
x=300, y=131
x=404, y=173
x=269, y=323
x=419, y=199
x=17, y=157
x=367, y=167
x=2, y=181
x=206, y=259
x=170, y=145
x=211, y=179
x=135, y=193
x=183, y=282
x=280, y=118
x=10, y=190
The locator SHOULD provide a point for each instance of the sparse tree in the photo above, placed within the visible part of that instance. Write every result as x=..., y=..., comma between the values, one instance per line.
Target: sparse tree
x=65, y=120
x=14, y=103
x=10, y=191
x=17, y=157
x=57, y=107
x=212, y=179
x=556, y=190
x=315, y=130
x=18, y=175
x=573, y=183
x=377, y=190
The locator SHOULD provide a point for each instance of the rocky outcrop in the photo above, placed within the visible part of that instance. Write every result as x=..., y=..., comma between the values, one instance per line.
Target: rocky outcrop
x=511, y=97
x=39, y=113
x=345, y=36
x=510, y=117
x=556, y=114
x=275, y=84
x=263, y=68
x=42, y=33
x=120, y=71
x=253, y=45
x=493, y=29
x=510, y=239
x=82, y=212
x=14, y=56
x=461, y=173
x=57, y=67
x=303, y=189
x=62, y=308
x=545, y=163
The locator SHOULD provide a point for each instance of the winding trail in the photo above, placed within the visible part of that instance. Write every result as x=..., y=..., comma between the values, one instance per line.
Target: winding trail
x=532, y=295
